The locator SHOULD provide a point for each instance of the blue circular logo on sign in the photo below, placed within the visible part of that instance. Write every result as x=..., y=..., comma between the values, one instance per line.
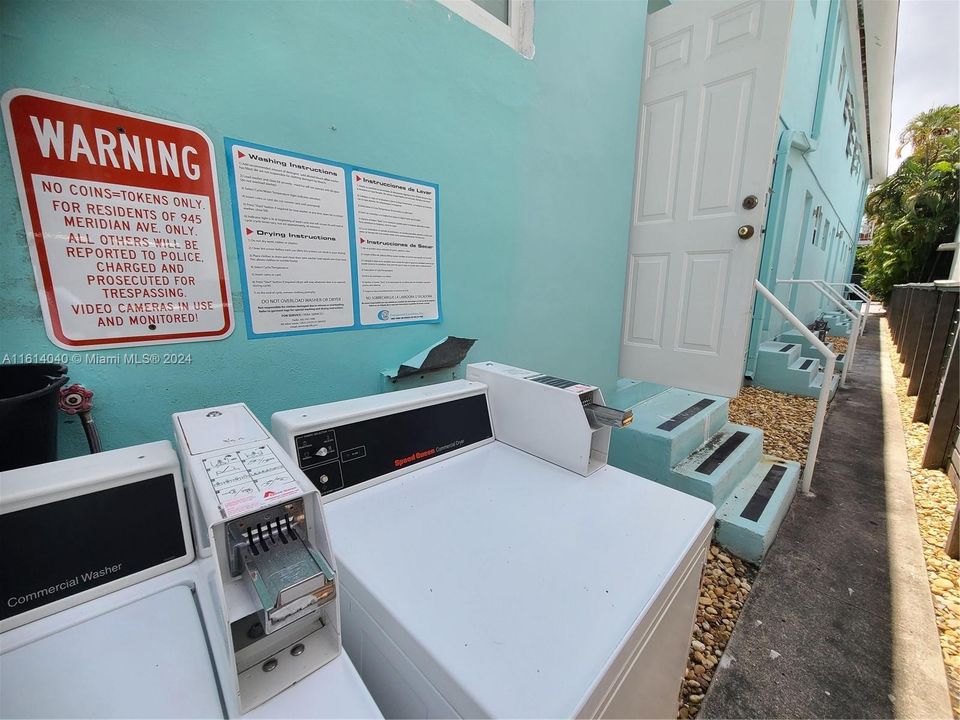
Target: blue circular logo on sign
x=384, y=314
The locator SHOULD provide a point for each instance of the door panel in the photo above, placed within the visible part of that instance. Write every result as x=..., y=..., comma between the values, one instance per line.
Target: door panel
x=707, y=129
x=705, y=287
x=720, y=153
x=649, y=280
x=656, y=196
x=731, y=29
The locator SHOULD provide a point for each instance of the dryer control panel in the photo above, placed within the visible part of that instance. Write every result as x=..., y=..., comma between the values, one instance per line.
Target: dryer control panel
x=347, y=455
x=344, y=446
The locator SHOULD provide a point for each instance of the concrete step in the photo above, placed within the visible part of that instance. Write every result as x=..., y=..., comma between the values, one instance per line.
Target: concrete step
x=806, y=367
x=683, y=440
x=748, y=521
x=806, y=349
x=795, y=377
x=632, y=392
x=838, y=364
x=797, y=381
x=818, y=383
x=840, y=328
x=811, y=353
x=775, y=356
x=840, y=323
x=666, y=428
x=713, y=470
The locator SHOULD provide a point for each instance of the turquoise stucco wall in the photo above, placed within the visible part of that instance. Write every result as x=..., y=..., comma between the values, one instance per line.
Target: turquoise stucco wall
x=534, y=159
x=818, y=178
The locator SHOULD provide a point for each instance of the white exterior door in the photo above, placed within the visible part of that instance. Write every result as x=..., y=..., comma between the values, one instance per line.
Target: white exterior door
x=709, y=108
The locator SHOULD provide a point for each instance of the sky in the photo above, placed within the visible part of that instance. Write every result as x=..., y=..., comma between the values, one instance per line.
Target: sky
x=927, y=72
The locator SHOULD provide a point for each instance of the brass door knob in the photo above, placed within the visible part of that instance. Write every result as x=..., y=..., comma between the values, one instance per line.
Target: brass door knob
x=745, y=232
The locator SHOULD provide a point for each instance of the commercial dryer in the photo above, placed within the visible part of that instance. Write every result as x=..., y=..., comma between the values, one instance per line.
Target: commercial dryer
x=491, y=563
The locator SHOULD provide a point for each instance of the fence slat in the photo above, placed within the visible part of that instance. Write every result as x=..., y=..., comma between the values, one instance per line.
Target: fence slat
x=943, y=422
x=924, y=314
x=933, y=365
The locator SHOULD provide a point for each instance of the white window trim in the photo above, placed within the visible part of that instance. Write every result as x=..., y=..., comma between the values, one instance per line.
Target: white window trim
x=518, y=34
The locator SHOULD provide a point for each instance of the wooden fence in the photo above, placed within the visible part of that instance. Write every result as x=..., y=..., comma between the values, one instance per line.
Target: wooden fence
x=924, y=324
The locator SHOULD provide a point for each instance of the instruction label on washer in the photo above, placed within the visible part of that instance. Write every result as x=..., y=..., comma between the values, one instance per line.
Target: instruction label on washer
x=250, y=479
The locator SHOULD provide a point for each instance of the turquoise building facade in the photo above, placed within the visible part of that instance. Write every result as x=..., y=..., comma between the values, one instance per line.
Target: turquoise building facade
x=822, y=170
x=534, y=159
x=534, y=154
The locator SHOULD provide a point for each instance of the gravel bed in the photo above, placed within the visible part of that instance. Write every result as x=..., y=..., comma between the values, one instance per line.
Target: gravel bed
x=935, y=501
x=726, y=582
x=839, y=343
x=786, y=420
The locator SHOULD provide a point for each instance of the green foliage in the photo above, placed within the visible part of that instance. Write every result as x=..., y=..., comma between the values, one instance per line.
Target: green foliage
x=916, y=208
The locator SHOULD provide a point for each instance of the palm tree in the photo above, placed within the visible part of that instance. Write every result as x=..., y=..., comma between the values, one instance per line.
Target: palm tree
x=916, y=208
x=930, y=132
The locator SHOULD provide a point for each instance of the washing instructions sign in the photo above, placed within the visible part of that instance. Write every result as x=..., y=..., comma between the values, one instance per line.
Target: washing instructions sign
x=122, y=219
x=295, y=240
x=329, y=246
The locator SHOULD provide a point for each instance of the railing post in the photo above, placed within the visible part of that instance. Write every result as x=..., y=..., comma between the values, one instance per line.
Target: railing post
x=824, y=398
x=867, y=299
x=818, y=421
x=854, y=331
x=824, y=289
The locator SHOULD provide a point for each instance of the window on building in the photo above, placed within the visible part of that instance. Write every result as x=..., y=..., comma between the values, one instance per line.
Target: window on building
x=500, y=9
x=826, y=234
x=854, y=150
x=842, y=72
x=510, y=21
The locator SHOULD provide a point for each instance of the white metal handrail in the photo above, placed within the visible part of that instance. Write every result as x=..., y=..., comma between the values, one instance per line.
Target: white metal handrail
x=836, y=296
x=824, y=397
x=863, y=295
x=867, y=302
x=854, y=314
x=830, y=294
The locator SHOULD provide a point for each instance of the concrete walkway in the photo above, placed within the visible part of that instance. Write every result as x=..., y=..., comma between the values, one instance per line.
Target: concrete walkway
x=840, y=621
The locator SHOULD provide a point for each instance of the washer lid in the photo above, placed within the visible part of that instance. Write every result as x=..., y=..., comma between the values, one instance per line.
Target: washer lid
x=145, y=659
x=509, y=581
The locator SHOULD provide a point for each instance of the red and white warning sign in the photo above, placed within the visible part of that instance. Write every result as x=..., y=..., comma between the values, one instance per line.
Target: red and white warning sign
x=123, y=222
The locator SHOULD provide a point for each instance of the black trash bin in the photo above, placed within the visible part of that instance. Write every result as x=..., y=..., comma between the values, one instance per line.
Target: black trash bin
x=28, y=413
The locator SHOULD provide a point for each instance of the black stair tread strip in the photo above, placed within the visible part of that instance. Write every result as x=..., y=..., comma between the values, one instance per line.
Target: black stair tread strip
x=684, y=415
x=761, y=496
x=806, y=364
x=722, y=453
x=840, y=356
x=786, y=347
